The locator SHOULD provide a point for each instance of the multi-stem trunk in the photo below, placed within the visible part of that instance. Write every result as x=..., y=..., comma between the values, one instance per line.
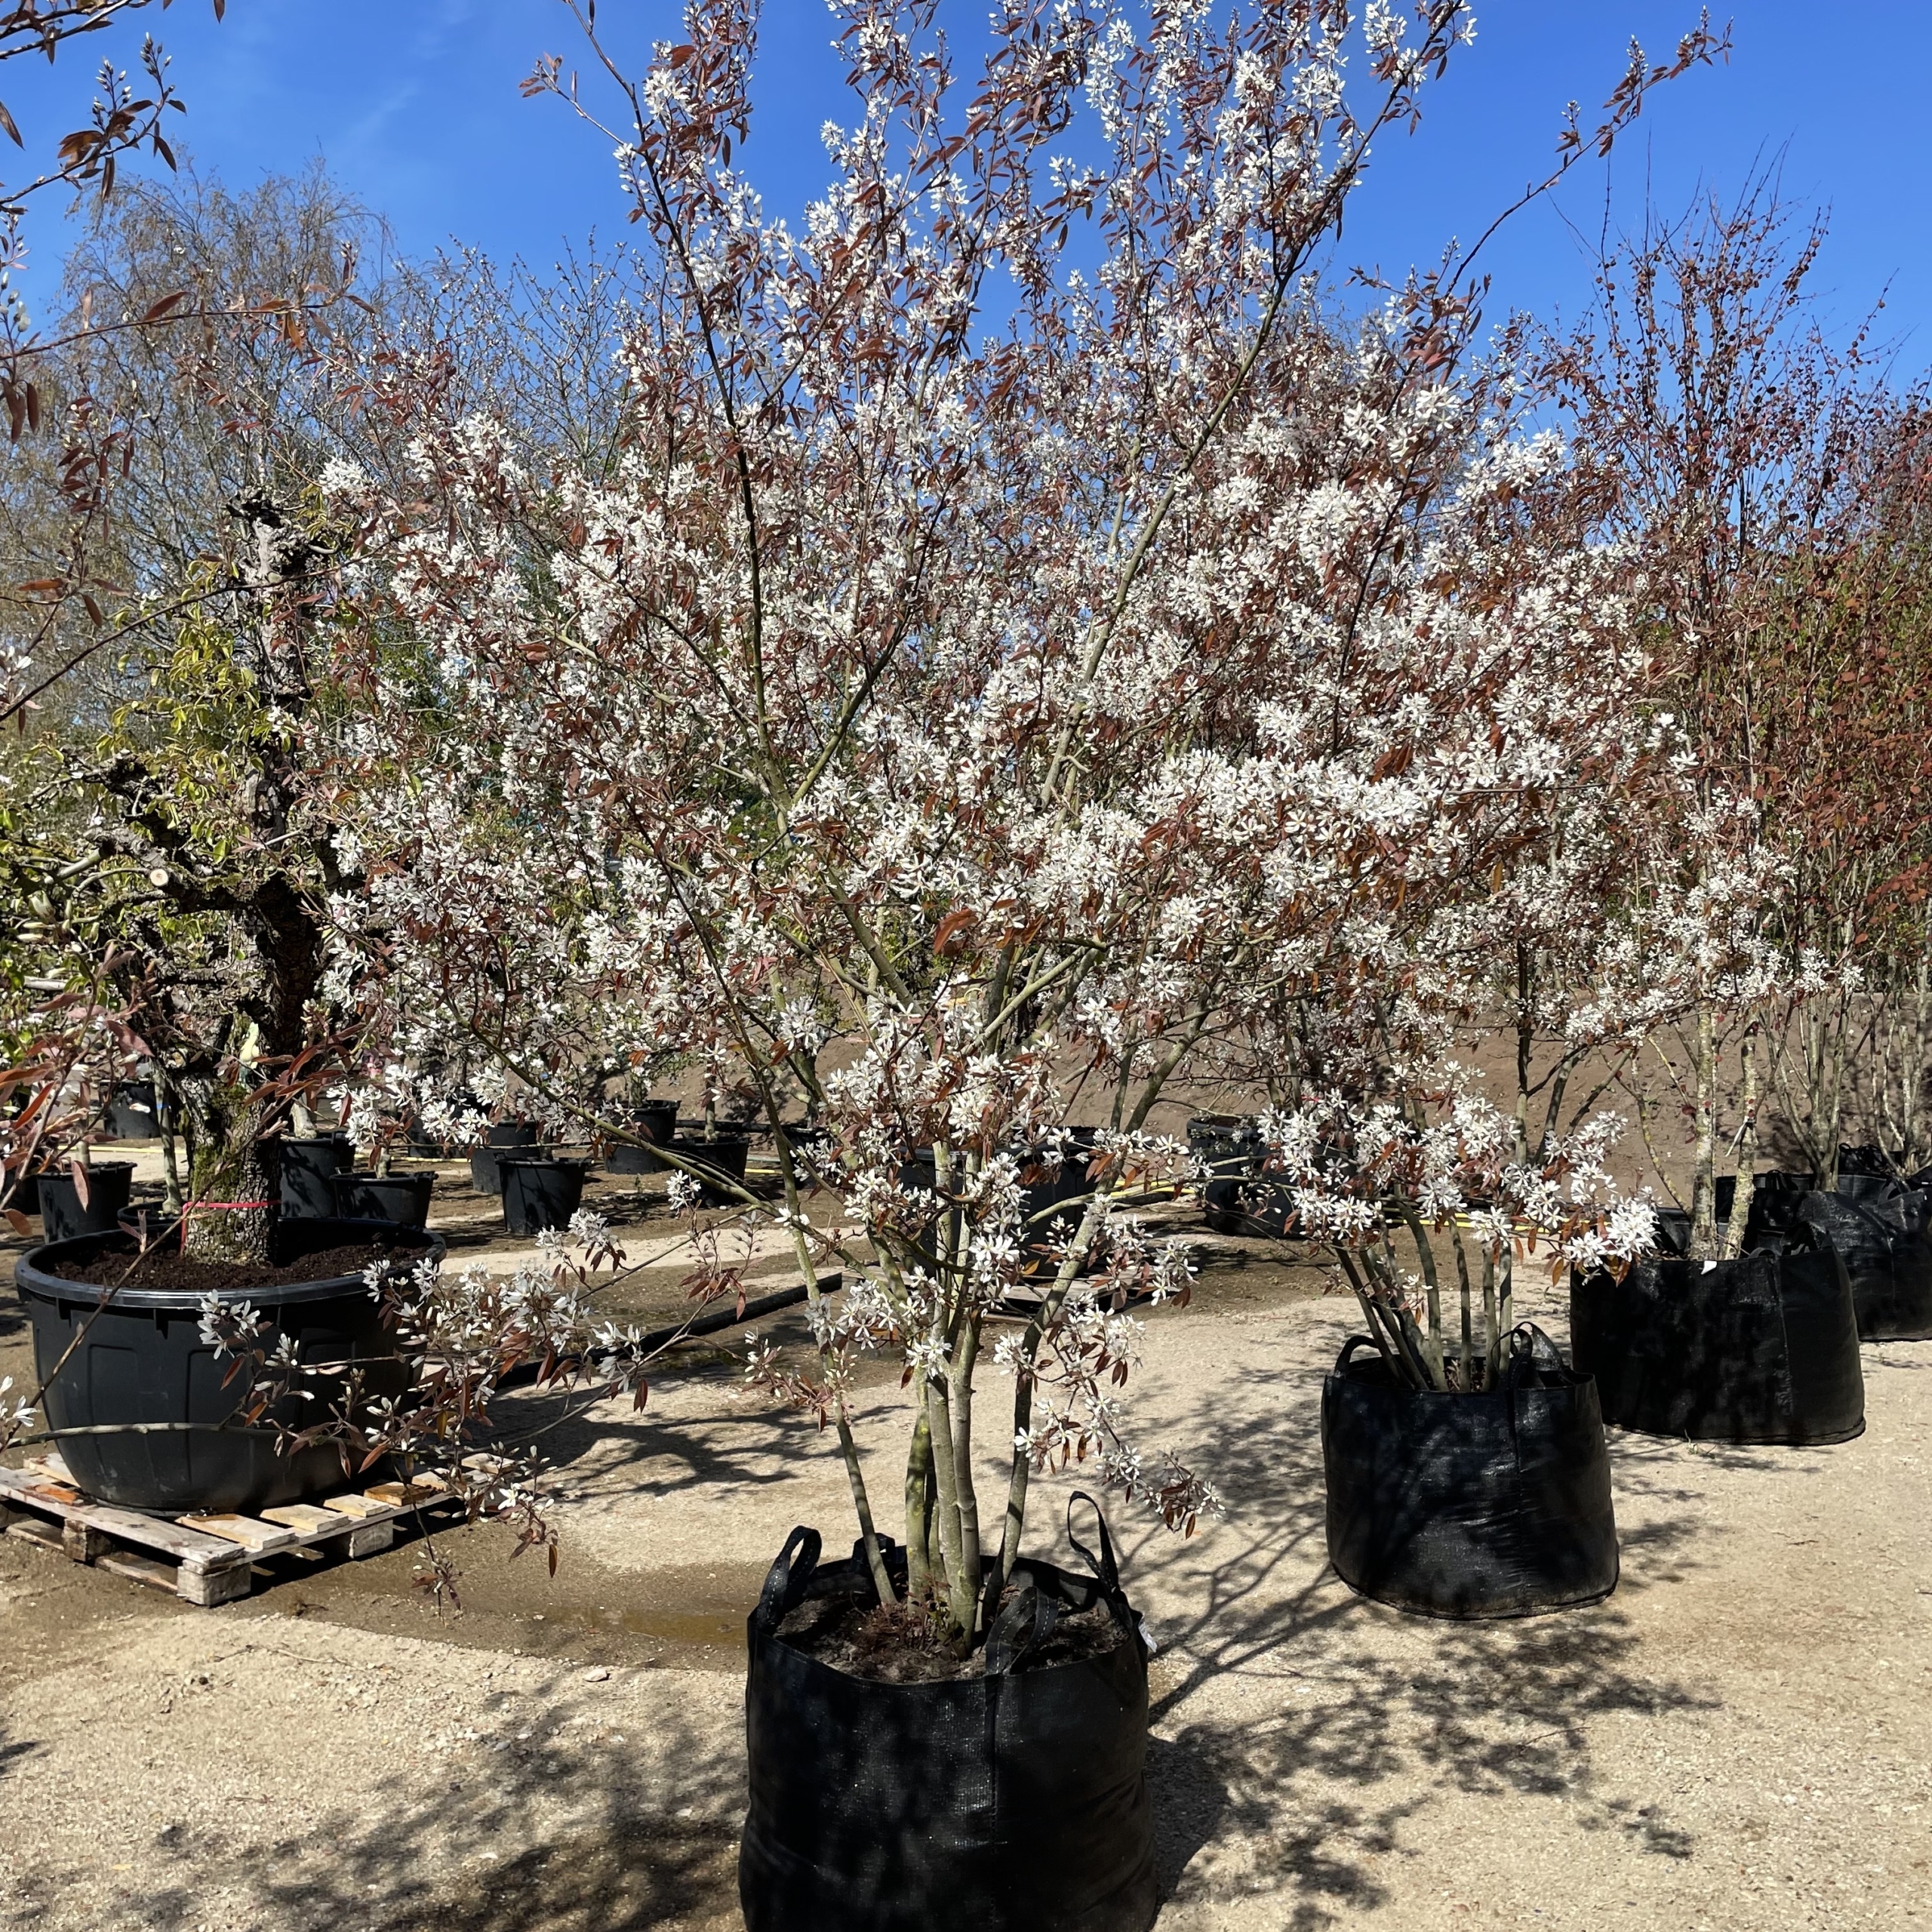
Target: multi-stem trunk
x=1733, y=1245
x=1703, y=1182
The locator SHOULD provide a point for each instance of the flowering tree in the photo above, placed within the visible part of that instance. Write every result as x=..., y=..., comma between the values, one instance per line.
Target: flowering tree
x=991, y=675
x=1749, y=458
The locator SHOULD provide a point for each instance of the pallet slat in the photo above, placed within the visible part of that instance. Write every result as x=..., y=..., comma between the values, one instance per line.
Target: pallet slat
x=255, y=1536
x=214, y=1555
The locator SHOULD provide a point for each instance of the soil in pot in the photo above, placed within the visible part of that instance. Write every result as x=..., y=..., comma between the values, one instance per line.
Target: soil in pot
x=539, y=1193
x=1764, y=1349
x=657, y=1122
x=1014, y=1800
x=898, y=1643
x=1483, y=1503
x=309, y=1169
x=401, y=1197
x=158, y=1408
x=63, y=1216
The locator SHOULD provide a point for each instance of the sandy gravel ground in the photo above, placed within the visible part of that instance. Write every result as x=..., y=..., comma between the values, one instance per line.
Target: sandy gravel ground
x=1740, y=1739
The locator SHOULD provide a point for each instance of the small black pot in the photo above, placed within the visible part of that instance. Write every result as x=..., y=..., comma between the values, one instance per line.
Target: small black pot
x=1238, y=1199
x=1764, y=1349
x=309, y=1169
x=485, y=1173
x=62, y=1216
x=657, y=1120
x=539, y=1192
x=133, y=1113
x=402, y=1199
x=1494, y=1502
x=25, y=1198
x=725, y=1157
x=139, y=1359
x=1013, y=1802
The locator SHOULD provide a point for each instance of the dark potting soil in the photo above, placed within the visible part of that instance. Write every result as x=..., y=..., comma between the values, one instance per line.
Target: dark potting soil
x=163, y=1268
x=900, y=1643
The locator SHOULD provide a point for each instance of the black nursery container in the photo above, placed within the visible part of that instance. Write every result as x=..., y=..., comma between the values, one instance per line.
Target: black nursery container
x=1013, y=1802
x=1238, y=1200
x=539, y=1192
x=717, y=1165
x=309, y=1169
x=401, y=1198
x=485, y=1170
x=657, y=1120
x=134, y=1114
x=61, y=1215
x=1764, y=1349
x=1490, y=1503
x=137, y=1357
x=1879, y=1227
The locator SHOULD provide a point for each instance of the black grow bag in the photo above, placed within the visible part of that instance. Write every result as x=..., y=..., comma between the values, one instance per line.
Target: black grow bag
x=61, y=1216
x=1494, y=1502
x=309, y=1169
x=1878, y=1227
x=140, y=1358
x=402, y=1198
x=1013, y=1802
x=1764, y=1349
x=539, y=1192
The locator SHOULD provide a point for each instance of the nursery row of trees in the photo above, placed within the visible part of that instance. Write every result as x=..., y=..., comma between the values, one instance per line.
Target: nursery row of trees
x=1020, y=649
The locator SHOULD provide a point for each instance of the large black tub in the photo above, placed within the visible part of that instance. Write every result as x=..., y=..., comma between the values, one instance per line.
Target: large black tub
x=1764, y=1349
x=1488, y=1502
x=1016, y=1801
x=137, y=1357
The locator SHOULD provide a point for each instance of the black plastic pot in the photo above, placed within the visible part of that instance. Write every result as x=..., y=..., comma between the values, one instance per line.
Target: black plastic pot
x=138, y=1359
x=1491, y=1503
x=309, y=1169
x=133, y=1113
x=724, y=1159
x=485, y=1175
x=25, y=1198
x=539, y=1192
x=1013, y=1802
x=402, y=1199
x=657, y=1121
x=1238, y=1198
x=1764, y=1349
x=61, y=1216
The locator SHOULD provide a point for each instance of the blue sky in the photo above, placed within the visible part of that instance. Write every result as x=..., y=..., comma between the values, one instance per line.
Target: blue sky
x=413, y=104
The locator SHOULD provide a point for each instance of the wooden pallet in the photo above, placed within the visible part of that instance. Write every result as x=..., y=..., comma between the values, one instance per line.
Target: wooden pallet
x=206, y=1559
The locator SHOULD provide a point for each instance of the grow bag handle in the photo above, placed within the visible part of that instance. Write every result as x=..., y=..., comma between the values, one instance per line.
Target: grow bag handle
x=1524, y=1339
x=1348, y=1349
x=787, y=1582
x=1107, y=1569
x=1033, y=1611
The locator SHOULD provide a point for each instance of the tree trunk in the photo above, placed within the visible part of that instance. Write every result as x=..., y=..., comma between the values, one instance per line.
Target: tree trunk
x=234, y=1178
x=1703, y=1182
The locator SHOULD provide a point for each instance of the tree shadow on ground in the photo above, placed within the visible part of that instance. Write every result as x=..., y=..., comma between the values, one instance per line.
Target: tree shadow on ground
x=1301, y=1728
x=523, y=1835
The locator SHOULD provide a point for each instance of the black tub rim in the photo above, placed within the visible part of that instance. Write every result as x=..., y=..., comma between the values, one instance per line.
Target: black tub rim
x=30, y=1278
